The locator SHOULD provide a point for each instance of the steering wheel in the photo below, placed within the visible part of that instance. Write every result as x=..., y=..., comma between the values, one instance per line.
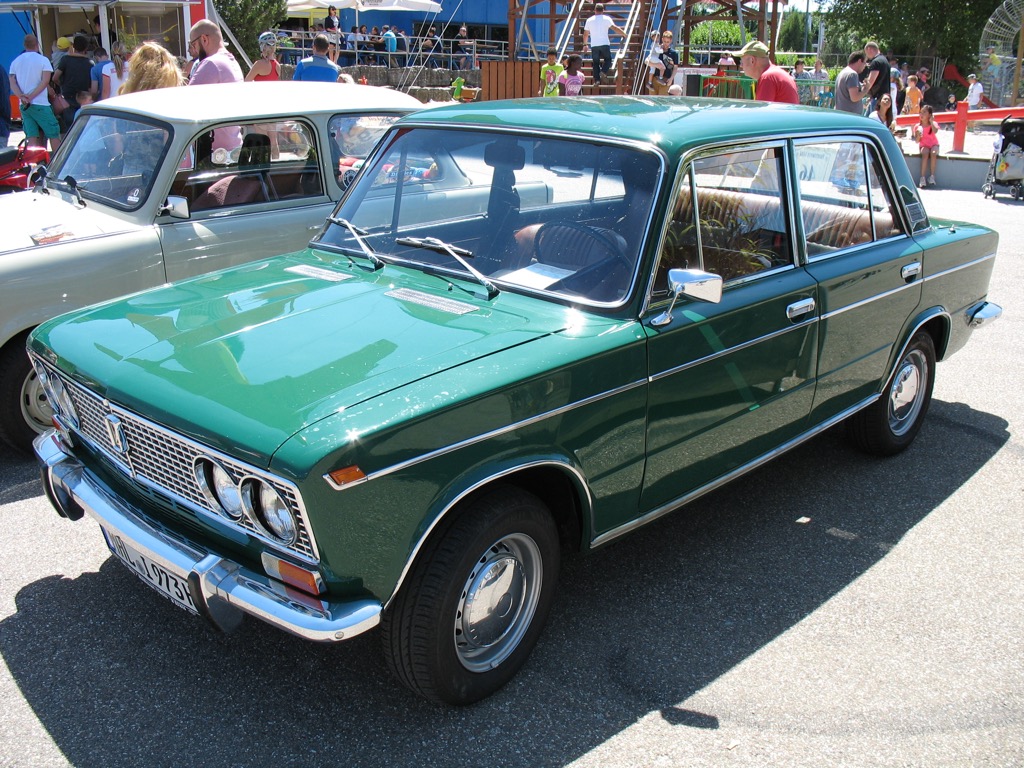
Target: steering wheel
x=576, y=246
x=601, y=261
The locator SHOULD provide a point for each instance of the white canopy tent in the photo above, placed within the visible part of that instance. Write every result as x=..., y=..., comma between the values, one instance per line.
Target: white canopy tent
x=424, y=6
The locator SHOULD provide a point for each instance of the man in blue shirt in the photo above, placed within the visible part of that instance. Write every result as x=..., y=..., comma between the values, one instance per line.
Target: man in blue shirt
x=390, y=45
x=100, y=57
x=317, y=68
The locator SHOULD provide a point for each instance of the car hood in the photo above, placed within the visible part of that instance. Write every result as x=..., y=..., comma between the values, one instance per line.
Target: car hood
x=245, y=358
x=36, y=218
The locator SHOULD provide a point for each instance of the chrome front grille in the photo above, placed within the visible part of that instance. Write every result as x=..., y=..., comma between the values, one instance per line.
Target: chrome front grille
x=163, y=461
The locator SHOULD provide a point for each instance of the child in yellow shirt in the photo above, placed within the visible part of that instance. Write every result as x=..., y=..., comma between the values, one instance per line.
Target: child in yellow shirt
x=912, y=105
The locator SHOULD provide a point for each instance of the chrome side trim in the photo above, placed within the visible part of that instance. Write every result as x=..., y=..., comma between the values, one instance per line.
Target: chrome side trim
x=870, y=299
x=221, y=589
x=715, y=355
x=957, y=268
x=486, y=436
x=564, y=465
x=671, y=506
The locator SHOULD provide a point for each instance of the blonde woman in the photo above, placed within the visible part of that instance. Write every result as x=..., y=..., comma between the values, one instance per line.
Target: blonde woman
x=115, y=71
x=153, y=67
x=265, y=68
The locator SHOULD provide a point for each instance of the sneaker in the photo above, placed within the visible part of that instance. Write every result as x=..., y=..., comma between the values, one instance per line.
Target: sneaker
x=931, y=181
x=922, y=183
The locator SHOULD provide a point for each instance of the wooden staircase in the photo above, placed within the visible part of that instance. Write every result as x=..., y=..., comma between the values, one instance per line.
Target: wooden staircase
x=628, y=68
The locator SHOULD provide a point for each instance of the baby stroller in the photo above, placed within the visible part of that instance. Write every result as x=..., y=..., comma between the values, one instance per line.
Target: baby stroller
x=1007, y=166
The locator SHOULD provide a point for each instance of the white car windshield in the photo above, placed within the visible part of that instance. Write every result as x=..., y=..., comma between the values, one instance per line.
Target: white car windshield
x=532, y=213
x=112, y=160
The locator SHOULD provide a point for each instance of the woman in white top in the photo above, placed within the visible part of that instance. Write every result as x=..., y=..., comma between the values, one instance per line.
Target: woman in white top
x=116, y=70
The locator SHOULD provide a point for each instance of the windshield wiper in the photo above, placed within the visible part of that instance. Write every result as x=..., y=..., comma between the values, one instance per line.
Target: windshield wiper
x=357, y=235
x=459, y=254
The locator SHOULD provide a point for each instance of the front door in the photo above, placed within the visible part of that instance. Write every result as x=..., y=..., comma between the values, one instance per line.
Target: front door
x=731, y=381
x=254, y=190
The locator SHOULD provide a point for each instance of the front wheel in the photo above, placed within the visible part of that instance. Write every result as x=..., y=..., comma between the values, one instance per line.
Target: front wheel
x=24, y=409
x=476, y=600
x=891, y=423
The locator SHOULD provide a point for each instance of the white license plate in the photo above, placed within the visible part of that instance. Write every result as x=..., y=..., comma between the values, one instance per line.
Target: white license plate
x=170, y=585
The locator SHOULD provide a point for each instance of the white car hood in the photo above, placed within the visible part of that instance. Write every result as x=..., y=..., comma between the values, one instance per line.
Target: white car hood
x=34, y=218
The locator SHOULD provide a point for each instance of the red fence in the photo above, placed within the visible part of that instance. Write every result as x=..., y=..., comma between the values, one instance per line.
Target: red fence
x=960, y=119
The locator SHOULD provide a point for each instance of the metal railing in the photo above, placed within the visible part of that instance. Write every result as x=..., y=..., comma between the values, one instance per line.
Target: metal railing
x=412, y=51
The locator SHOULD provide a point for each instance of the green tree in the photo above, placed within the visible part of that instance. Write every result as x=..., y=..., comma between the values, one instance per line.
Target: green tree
x=791, y=34
x=721, y=34
x=920, y=29
x=248, y=18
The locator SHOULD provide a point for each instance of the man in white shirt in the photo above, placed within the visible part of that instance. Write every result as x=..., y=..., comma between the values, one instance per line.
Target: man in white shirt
x=595, y=37
x=30, y=76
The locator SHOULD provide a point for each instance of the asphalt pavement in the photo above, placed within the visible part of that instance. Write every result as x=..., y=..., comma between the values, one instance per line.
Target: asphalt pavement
x=830, y=609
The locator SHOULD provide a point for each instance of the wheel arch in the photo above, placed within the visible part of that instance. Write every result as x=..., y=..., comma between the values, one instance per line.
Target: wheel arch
x=557, y=483
x=937, y=323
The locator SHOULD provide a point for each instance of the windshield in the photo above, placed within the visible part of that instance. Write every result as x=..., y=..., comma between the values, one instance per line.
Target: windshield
x=536, y=213
x=114, y=160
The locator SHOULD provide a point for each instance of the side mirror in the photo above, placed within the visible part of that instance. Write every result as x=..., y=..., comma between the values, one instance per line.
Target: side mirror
x=695, y=284
x=38, y=175
x=176, y=207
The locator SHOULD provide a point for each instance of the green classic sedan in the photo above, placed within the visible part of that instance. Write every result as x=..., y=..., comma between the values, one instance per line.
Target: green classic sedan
x=528, y=328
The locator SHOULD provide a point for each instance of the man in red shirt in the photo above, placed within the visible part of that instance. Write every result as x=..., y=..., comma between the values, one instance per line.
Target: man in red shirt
x=773, y=83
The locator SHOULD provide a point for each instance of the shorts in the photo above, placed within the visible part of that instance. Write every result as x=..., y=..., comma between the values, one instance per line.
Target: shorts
x=36, y=119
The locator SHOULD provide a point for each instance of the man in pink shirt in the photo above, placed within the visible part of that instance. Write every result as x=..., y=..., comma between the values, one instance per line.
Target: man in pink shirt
x=215, y=65
x=773, y=82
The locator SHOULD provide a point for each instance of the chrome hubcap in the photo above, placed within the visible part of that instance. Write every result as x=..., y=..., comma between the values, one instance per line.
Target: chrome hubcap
x=35, y=408
x=907, y=393
x=498, y=602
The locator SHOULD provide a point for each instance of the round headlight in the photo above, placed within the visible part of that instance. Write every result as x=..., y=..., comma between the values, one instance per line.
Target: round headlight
x=269, y=511
x=222, y=493
x=61, y=400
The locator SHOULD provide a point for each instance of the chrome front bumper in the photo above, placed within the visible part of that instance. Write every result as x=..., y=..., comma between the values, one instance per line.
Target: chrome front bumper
x=221, y=590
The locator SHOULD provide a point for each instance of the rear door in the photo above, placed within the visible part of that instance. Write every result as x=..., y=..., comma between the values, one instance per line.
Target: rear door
x=868, y=268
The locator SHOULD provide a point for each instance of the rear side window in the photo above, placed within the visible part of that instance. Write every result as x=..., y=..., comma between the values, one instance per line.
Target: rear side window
x=844, y=201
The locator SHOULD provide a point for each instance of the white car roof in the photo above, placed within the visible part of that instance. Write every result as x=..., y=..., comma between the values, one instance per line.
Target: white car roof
x=226, y=101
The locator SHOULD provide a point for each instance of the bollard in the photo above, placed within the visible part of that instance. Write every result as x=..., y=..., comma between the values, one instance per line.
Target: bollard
x=960, y=126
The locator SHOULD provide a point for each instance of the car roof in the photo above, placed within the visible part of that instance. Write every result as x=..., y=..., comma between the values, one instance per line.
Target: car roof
x=227, y=101
x=672, y=122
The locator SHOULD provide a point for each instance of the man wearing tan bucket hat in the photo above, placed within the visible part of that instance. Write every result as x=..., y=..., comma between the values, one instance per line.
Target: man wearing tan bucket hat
x=773, y=83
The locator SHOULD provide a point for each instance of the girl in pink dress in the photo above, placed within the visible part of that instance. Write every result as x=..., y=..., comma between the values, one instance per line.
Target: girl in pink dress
x=927, y=134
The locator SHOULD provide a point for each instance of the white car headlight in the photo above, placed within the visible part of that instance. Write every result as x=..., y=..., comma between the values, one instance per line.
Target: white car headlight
x=60, y=400
x=221, y=491
x=269, y=511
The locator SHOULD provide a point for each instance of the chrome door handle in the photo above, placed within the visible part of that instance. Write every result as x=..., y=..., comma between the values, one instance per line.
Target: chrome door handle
x=799, y=308
x=911, y=271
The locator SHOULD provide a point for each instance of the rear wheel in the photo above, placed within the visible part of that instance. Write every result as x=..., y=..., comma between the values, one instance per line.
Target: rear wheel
x=476, y=600
x=892, y=422
x=24, y=410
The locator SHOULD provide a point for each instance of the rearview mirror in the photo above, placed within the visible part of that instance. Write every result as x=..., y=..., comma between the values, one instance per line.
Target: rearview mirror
x=176, y=207
x=695, y=284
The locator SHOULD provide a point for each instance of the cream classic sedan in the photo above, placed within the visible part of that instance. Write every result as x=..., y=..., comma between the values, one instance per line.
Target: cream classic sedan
x=160, y=185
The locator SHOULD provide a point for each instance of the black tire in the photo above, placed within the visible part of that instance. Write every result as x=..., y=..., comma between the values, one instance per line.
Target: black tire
x=24, y=411
x=502, y=550
x=890, y=424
